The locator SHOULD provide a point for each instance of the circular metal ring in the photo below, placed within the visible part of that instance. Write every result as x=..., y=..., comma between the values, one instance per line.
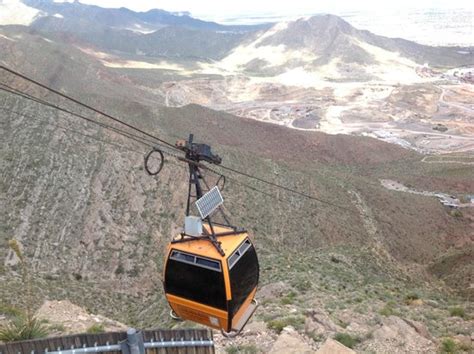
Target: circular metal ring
x=174, y=316
x=231, y=334
x=221, y=178
x=147, y=157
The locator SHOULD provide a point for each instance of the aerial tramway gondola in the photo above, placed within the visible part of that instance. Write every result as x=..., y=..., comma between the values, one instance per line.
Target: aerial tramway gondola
x=211, y=269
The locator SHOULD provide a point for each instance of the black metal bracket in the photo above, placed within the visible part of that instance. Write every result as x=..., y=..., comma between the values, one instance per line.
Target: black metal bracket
x=195, y=153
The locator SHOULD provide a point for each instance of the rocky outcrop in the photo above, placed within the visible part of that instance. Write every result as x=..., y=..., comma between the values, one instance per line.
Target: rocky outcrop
x=290, y=341
x=74, y=319
x=396, y=335
x=331, y=346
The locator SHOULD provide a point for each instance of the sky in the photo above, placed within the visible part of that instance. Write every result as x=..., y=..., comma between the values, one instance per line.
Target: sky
x=221, y=10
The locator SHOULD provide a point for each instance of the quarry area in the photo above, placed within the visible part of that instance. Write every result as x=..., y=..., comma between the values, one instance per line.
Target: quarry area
x=430, y=113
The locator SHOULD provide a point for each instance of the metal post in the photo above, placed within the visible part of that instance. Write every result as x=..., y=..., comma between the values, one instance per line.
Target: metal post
x=134, y=343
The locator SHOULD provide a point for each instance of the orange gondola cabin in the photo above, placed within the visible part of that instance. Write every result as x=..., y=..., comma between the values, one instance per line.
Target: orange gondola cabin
x=211, y=269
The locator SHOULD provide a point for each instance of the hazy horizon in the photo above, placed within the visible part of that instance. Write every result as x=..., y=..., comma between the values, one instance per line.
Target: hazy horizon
x=223, y=11
x=426, y=22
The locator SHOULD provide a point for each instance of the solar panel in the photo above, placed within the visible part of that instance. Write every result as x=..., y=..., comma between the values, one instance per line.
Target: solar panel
x=209, y=202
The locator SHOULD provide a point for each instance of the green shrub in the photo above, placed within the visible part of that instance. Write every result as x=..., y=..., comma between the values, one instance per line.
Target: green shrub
x=387, y=310
x=448, y=346
x=457, y=311
x=289, y=298
x=278, y=324
x=23, y=328
x=96, y=328
x=245, y=349
x=346, y=339
x=456, y=213
x=23, y=325
x=9, y=310
x=409, y=298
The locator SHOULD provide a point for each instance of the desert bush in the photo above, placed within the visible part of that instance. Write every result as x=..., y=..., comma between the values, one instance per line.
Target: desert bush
x=448, y=346
x=289, y=298
x=245, y=349
x=346, y=339
x=457, y=312
x=23, y=328
x=409, y=298
x=9, y=310
x=456, y=213
x=278, y=324
x=23, y=325
x=96, y=328
x=387, y=310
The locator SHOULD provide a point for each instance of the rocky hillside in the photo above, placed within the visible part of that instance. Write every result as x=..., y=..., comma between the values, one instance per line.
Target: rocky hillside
x=93, y=225
x=366, y=262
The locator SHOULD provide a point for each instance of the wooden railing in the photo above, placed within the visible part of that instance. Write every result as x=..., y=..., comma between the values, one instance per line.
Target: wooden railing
x=199, y=341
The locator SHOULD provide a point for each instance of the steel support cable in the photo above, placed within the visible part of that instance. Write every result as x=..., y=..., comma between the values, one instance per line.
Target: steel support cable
x=131, y=136
x=291, y=190
x=27, y=96
x=75, y=131
x=276, y=185
x=137, y=138
x=128, y=135
x=86, y=106
x=165, y=142
x=176, y=163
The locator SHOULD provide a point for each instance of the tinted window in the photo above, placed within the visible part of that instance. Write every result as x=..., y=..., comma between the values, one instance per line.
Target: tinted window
x=195, y=282
x=208, y=263
x=180, y=256
x=243, y=277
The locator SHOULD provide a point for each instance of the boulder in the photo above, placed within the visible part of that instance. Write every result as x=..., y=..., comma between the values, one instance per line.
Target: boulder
x=273, y=290
x=395, y=335
x=290, y=341
x=319, y=323
x=420, y=328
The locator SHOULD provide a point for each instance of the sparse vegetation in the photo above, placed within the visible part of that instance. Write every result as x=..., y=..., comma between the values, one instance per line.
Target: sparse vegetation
x=387, y=310
x=457, y=311
x=96, y=328
x=278, y=324
x=346, y=339
x=9, y=310
x=448, y=346
x=325, y=255
x=57, y=327
x=23, y=325
x=289, y=298
x=244, y=349
x=456, y=213
x=23, y=328
x=411, y=297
